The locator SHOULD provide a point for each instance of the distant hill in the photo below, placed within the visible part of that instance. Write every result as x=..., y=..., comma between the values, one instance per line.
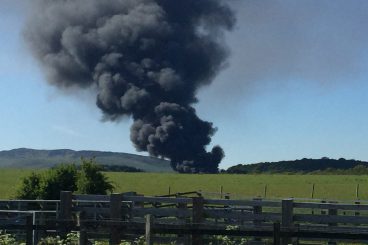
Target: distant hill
x=30, y=158
x=297, y=166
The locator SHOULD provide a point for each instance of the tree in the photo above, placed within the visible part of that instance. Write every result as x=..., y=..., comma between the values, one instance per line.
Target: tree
x=91, y=180
x=65, y=177
x=30, y=187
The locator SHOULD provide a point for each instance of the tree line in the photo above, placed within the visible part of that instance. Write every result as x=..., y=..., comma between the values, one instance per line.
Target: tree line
x=305, y=165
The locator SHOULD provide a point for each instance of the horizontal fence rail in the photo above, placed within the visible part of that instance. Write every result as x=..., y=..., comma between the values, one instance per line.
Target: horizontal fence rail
x=186, y=220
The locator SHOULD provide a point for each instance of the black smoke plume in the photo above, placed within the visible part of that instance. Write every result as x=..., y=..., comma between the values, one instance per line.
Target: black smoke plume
x=145, y=59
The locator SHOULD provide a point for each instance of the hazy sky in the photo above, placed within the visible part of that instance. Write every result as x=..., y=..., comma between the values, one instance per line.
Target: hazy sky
x=295, y=86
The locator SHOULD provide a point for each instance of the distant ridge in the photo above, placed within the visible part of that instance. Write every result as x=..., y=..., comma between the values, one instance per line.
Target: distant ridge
x=304, y=165
x=31, y=158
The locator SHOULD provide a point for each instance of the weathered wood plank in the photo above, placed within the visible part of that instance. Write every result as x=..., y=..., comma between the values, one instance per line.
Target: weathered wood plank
x=246, y=203
x=326, y=219
x=27, y=211
x=264, y=217
x=168, y=212
x=157, y=199
x=91, y=198
x=93, y=210
x=339, y=206
x=28, y=201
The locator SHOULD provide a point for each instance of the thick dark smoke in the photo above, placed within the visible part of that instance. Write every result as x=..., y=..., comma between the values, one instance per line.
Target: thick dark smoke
x=146, y=59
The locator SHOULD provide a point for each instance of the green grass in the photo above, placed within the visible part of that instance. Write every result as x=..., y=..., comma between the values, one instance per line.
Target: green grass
x=278, y=186
x=334, y=187
x=9, y=181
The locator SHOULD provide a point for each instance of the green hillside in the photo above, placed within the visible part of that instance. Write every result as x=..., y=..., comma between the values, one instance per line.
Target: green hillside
x=30, y=158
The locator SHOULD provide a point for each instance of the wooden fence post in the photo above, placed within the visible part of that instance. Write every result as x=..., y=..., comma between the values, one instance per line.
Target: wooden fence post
x=257, y=210
x=36, y=233
x=312, y=194
x=149, y=226
x=115, y=215
x=357, y=192
x=332, y=212
x=66, y=199
x=41, y=221
x=287, y=218
x=65, y=214
x=83, y=237
x=184, y=219
x=357, y=213
x=29, y=230
x=265, y=191
x=130, y=206
x=197, y=218
x=276, y=233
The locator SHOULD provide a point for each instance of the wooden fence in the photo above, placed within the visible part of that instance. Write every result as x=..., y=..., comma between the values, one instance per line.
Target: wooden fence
x=185, y=220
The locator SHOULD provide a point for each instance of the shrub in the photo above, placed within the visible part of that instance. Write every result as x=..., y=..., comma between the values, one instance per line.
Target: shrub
x=65, y=177
x=71, y=239
x=30, y=187
x=7, y=239
x=61, y=178
x=91, y=180
x=227, y=240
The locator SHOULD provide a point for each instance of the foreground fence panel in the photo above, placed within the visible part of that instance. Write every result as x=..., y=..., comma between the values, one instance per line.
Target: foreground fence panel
x=186, y=220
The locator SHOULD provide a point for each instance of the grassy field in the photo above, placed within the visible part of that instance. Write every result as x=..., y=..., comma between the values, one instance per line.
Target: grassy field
x=337, y=187
x=9, y=181
x=278, y=186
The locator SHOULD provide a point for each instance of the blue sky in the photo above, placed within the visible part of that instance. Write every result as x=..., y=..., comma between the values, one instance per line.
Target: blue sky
x=296, y=86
